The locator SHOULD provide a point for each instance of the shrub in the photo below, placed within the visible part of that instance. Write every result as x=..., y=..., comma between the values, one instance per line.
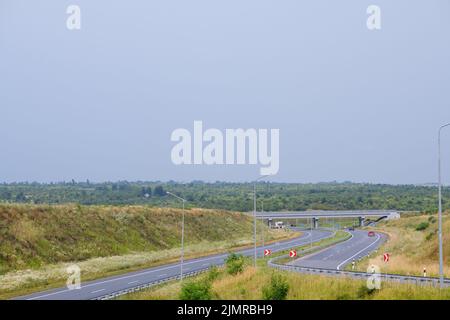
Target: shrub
x=344, y=296
x=430, y=235
x=422, y=226
x=213, y=273
x=364, y=292
x=196, y=290
x=277, y=289
x=235, y=263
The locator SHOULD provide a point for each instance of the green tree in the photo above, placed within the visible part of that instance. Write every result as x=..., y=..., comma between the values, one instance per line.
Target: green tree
x=277, y=289
x=196, y=290
x=235, y=263
x=422, y=226
x=159, y=191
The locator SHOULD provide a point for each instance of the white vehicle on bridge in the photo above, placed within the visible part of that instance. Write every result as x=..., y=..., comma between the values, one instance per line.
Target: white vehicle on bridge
x=279, y=225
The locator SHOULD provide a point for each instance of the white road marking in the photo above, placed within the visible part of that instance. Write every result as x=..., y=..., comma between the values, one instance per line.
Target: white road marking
x=97, y=290
x=340, y=265
x=163, y=275
x=314, y=254
x=300, y=239
x=127, y=277
x=133, y=282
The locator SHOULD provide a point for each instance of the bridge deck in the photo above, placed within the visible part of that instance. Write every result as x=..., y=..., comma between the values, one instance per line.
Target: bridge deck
x=326, y=214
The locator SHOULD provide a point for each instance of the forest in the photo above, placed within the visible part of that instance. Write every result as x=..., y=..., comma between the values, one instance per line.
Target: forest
x=231, y=196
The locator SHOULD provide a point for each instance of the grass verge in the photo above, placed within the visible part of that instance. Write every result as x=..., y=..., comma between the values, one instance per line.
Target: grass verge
x=249, y=285
x=412, y=246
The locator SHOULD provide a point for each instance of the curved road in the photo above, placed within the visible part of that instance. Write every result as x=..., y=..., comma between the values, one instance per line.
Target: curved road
x=102, y=287
x=341, y=254
x=334, y=257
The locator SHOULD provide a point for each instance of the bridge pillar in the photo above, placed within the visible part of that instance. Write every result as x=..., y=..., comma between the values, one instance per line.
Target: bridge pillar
x=361, y=221
x=315, y=223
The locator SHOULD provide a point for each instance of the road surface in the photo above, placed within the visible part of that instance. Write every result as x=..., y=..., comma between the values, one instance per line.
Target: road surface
x=102, y=287
x=342, y=254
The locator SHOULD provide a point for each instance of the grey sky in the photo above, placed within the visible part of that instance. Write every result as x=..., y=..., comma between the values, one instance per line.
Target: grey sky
x=101, y=103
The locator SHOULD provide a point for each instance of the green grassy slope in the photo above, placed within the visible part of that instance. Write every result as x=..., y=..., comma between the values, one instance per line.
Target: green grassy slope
x=35, y=235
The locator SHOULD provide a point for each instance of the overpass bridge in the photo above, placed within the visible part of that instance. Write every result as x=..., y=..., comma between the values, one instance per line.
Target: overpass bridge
x=316, y=215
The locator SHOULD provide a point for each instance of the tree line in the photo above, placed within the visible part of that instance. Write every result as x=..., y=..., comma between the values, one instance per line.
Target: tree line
x=231, y=196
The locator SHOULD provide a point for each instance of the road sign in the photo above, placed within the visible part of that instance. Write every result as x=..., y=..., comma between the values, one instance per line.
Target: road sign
x=267, y=252
x=386, y=257
x=292, y=253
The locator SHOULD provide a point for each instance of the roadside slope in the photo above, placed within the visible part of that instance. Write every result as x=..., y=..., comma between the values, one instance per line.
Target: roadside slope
x=249, y=285
x=412, y=245
x=38, y=242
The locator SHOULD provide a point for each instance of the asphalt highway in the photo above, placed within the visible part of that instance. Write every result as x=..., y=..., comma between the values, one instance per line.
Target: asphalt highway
x=342, y=254
x=102, y=287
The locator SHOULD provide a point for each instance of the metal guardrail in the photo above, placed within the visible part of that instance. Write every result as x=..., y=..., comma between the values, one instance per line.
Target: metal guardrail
x=356, y=274
x=154, y=283
x=157, y=282
x=148, y=285
x=292, y=268
x=316, y=248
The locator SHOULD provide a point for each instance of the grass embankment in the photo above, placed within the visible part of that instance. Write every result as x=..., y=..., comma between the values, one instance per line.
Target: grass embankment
x=412, y=245
x=249, y=286
x=37, y=243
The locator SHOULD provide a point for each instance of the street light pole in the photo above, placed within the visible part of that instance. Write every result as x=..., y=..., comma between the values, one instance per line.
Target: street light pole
x=262, y=229
x=441, y=258
x=254, y=218
x=182, y=233
x=254, y=223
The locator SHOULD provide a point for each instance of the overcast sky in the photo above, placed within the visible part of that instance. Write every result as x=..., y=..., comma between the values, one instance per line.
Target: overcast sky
x=100, y=103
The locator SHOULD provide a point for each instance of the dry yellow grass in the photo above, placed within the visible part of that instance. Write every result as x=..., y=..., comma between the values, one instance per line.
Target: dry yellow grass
x=249, y=284
x=25, y=231
x=411, y=250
